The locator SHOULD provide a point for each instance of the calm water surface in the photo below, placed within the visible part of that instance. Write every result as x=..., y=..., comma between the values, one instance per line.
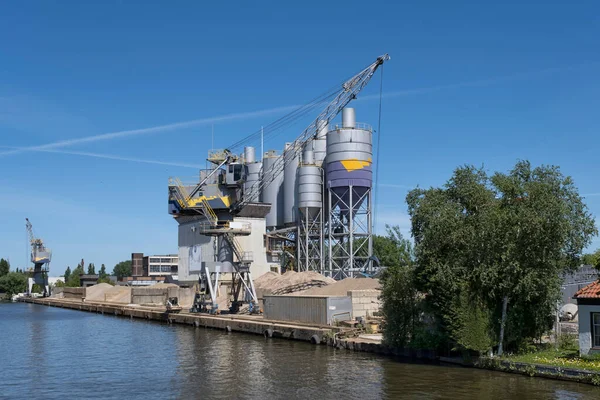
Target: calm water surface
x=50, y=353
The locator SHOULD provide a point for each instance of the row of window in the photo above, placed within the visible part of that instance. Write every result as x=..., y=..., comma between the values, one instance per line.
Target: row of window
x=158, y=268
x=163, y=260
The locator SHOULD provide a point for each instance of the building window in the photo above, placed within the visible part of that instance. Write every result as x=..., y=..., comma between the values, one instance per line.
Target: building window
x=596, y=329
x=154, y=268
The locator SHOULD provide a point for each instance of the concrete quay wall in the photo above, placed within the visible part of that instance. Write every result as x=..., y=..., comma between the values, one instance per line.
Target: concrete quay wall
x=229, y=323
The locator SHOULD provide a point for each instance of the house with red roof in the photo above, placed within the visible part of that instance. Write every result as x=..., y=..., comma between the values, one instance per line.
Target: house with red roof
x=588, y=303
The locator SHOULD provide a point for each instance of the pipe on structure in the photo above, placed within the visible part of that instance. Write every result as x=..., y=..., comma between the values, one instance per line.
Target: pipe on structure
x=348, y=118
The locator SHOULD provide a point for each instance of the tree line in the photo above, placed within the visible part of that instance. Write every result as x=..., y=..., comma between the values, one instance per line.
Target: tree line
x=13, y=282
x=488, y=259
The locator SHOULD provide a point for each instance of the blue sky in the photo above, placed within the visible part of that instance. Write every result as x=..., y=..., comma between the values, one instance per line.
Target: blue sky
x=484, y=83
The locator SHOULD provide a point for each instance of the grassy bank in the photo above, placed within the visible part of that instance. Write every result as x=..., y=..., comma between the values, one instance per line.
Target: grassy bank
x=562, y=358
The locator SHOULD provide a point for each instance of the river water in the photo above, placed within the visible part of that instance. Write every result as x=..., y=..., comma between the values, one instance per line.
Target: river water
x=49, y=353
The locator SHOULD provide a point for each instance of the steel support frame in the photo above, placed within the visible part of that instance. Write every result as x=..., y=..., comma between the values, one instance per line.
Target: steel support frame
x=310, y=242
x=349, y=233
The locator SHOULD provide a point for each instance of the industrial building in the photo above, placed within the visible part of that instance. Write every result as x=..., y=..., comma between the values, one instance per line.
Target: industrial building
x=154, y=265
x=307, y=207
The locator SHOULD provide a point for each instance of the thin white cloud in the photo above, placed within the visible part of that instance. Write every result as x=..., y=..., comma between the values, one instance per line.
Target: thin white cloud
x=155, y=129
x=479, y=82
x=252, y=114
x=110, y=157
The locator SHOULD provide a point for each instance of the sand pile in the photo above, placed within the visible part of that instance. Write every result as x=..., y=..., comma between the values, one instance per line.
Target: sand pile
x=342, y=287
x=106, y=292
x=96, y=292
x=118, y=294
x=290, y=282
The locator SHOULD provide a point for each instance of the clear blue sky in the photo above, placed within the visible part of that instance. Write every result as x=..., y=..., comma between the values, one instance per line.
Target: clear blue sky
x=468, y=82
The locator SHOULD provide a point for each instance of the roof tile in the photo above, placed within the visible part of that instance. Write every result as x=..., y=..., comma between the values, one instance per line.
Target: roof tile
x=591, y=291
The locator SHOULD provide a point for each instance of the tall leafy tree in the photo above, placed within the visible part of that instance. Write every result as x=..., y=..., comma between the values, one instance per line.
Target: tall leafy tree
x=67, y=274
x=74, y=278
x=122, y=269
x=500, y=243
x=102, y=272
x=4, y=267
x=13, y=283
x=91, y=269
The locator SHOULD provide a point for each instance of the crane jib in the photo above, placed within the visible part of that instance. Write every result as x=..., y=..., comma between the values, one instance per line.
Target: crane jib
x=349, y=92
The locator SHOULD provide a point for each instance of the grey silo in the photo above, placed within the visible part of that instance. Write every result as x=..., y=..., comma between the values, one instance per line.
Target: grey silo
x=291, y=160
x=273, y=192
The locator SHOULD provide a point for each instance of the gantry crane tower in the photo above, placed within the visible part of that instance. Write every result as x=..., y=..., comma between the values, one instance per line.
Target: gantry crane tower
x=40, y=257
x=242, y=200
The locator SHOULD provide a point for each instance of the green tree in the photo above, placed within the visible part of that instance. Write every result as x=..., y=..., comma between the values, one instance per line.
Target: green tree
x=91, y=269
x=122, y=269
x=4, y=267
x=102, y=274
x=392, y=250
x=67, y=274
x=13, y=283
x=59, y=283
x=503, y=241
x=74, y=278
x=591, y=259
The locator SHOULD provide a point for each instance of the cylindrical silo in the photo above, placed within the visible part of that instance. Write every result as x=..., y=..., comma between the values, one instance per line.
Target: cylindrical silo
x=309, y=191
x=252, y=177
x=319, y=144
x=290, y=156
x=349, y=157
x=273, y=192
x=249, y=156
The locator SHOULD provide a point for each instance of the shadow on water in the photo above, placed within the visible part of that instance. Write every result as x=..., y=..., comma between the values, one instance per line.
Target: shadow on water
x=52, y=353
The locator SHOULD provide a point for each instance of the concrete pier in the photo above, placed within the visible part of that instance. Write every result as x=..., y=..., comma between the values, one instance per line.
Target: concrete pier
x=255, y=324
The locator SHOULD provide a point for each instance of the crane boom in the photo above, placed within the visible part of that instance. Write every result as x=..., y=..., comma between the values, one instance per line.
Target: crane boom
x=347, y=93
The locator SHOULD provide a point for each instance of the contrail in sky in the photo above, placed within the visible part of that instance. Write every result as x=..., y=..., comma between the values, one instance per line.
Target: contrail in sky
x=108, y=156
x=154, y=129
x=252, y=114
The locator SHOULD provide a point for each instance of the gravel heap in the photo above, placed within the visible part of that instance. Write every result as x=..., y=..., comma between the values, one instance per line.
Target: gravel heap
x=290, y=282
x=341, y=288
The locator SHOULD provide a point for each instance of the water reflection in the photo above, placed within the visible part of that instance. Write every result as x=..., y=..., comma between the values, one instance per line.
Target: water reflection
x=52, y=353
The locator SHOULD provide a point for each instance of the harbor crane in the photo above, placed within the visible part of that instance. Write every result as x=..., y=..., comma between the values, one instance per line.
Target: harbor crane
x=40, y=257
x=238, y=197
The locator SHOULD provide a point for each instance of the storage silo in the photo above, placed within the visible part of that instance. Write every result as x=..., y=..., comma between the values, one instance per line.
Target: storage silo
x=310, y=186
x=252, y=171
x=319, y=144
x=349, y=181
x=291, y=159
x=273, y=192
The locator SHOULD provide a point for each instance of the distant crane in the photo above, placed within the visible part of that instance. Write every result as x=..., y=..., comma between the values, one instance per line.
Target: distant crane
x=40, y=257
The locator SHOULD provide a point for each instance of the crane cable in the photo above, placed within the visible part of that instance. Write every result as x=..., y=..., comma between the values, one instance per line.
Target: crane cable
x=377, y=153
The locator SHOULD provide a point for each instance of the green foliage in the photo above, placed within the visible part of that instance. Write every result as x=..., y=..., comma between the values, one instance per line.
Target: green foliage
x=392, y=250
x=67, y=274
x=568, y=341
x=469, y=323
x=59, y=283
x=102, y=273
x=74, y=280
x=506, y=235
x=4, y=267
x=122, y=269
x=91, y=269
x=400, y=306
x=37, y=288
x=13, y=283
